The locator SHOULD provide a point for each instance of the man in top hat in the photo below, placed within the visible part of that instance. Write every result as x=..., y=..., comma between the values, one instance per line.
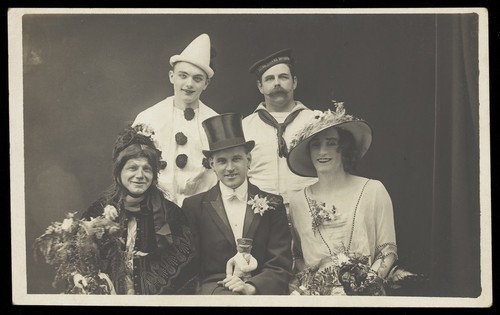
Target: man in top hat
x=274, y=123
x=177, y=120
x=234, y=209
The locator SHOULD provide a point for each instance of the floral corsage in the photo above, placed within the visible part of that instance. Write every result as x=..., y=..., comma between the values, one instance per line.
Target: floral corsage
x=262, y=204
x=320, y=213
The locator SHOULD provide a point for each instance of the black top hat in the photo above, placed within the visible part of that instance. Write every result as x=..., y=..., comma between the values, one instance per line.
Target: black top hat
x=225, y=131
x=282, y=56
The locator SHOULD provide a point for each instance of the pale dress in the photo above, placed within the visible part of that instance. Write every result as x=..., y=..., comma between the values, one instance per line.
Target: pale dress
x=363, y=224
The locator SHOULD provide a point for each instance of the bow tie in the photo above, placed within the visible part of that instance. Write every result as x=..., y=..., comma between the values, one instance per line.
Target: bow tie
x=233, y=195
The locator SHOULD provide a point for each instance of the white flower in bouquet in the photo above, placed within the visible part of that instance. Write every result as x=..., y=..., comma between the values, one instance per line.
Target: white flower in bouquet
x=342, y=259
x=110, y=212
x=68, y=222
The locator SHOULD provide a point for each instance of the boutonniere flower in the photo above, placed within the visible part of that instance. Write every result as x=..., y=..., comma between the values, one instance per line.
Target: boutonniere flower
x=262, y=204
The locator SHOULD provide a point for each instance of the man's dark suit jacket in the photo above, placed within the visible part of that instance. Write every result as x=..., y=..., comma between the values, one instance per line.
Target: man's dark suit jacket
x=215, y=242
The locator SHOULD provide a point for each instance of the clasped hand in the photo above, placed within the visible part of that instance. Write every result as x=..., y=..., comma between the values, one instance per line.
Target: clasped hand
x=235, y=284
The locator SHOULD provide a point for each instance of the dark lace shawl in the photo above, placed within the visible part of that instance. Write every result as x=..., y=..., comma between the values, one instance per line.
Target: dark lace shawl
x=171, y=265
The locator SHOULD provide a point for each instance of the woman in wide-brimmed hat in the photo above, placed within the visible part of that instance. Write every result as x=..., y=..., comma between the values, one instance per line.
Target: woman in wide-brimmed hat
x=342, y=212
x=156, y=255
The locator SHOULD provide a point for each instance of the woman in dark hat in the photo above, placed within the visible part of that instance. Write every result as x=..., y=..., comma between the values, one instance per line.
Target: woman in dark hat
x=157, y=243
x=342, y=213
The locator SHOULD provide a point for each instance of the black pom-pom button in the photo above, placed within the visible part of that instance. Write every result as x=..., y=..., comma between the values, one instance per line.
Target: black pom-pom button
x=181, y=160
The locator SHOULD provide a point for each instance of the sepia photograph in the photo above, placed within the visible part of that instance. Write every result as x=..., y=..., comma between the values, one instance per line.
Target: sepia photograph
x=284, y=157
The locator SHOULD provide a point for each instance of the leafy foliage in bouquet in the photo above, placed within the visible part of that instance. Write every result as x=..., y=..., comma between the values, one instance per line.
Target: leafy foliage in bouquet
x=350, y=273
x=358, y=278
x=315, y=281
x=85, y=248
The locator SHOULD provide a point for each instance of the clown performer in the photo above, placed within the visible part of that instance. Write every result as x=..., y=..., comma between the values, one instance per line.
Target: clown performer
x=177, y=120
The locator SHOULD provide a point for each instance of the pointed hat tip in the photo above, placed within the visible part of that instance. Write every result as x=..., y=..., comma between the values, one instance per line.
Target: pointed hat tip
x=196, y=53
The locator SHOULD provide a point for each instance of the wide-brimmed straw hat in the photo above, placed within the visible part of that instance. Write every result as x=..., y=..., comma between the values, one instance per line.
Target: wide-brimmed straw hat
x=299, y=159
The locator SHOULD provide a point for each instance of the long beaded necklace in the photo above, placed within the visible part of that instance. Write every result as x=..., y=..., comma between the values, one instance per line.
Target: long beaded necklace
x=310, y=203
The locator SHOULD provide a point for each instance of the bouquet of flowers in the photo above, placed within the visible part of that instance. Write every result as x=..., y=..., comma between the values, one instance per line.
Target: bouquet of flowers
x=351, y=274
x=357, y=278
x=315, y=281
x=80, y=250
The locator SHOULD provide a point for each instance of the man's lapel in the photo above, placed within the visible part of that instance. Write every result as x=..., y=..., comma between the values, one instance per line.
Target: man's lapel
x=252, y=220
x=218, y=213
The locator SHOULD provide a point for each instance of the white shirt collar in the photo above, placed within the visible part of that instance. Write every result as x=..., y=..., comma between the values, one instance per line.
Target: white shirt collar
x=240, y=192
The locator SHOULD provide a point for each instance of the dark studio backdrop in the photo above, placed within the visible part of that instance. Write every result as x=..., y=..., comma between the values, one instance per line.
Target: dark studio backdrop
x=414, y=78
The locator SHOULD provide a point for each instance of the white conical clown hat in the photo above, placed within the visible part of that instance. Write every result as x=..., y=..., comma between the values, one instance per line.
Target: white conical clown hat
x=196, y=53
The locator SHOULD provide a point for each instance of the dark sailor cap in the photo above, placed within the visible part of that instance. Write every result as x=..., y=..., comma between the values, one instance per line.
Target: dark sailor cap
x=282, y=56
